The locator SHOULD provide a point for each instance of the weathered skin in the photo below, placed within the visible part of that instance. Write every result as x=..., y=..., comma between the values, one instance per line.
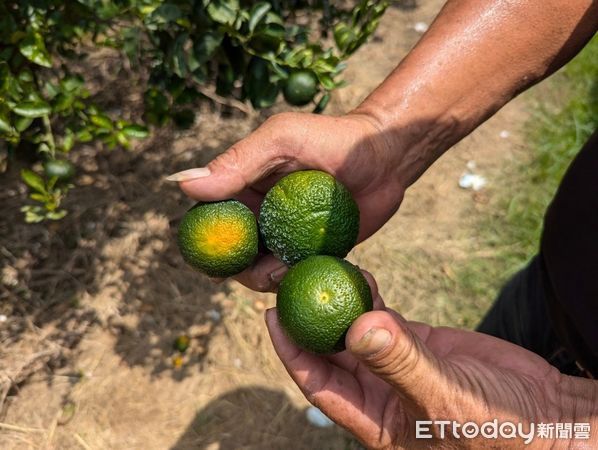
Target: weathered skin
x=476, y=56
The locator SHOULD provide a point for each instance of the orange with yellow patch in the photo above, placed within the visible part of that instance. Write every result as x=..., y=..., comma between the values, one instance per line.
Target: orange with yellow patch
x=219, y=238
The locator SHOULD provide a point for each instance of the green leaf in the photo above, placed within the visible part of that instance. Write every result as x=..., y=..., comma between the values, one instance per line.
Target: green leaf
x=43, y=146
x=205, y=46
x=327, y=82
x=33, y=109
x=321, y=65
x=223, y=11
x=236, y=56
x=225, y=80
x=63, y=102
x=84, y=135
x=57, y=214
x=166, y=13
x=5, y=75
x=156, y=106
x=192, y=62
x=25, y=76
x=344, y=36
x=257, y=14
x=33, y=214
x=72, y=83
x=272, y=17
x=110, y=140
x=68, y=141
x=268, y=38
x=178, y=57
x=300, y=57
x=123, y=140
x=279, y=72
x=321, y=106
x=274, y=31
x=33, y=180
x=51, y=183
x=34, y=49
x=38, y=197
x=262, y=92
x=22, y=123
x=135, y=131
x=102, y=121
x=13, y=88
x=51, y=89
x=5, y=125
x=339, y=68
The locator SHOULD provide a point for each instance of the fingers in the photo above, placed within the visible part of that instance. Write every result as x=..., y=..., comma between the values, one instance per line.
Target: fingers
x=378, y=303
x=371, y=281
x=335, y=391
x=231, y=172
x=309, y=371
x=246, y=162
x=345, y=359
x=397, y=355
x=264, y=275
x=374, y=214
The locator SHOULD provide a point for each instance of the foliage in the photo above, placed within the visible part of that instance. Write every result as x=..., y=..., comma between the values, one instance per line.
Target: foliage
x=190, y=50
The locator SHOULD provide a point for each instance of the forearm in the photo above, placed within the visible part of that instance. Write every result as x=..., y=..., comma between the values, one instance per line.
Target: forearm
x=476, y=56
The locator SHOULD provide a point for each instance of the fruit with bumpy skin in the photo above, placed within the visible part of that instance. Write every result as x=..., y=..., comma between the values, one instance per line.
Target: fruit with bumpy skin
x=219, y=239
x=300, y=88
x=308, y=213
x=318, y=300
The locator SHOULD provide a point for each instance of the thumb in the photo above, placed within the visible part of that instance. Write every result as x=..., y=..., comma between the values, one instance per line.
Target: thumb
x=246, y=162
x=390, y=350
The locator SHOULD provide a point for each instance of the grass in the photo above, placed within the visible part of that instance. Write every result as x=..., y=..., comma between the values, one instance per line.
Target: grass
x=562, y=121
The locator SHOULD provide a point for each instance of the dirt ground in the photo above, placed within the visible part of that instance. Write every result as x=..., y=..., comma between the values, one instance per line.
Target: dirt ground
x=93, y=305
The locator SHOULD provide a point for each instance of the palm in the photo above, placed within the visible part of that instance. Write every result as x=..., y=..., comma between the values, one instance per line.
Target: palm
x=373, y=410
x=345, y=147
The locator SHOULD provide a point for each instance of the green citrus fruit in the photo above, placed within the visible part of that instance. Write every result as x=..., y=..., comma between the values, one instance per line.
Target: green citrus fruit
x=219, y=239
x=308, y=213
x=317, y=301
x=59, y=168
x=300, y=88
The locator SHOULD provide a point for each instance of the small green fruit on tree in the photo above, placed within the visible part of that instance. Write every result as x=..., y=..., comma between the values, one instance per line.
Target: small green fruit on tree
x=187, y=51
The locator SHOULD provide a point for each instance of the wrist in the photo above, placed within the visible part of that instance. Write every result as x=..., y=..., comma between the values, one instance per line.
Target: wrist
x=413, y=140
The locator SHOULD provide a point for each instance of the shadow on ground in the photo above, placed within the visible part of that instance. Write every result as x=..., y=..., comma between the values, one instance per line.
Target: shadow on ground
x=259, y=418
x=113, y=260
x=405, y=4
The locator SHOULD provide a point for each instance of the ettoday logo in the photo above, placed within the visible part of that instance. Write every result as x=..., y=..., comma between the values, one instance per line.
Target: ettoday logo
x=505, y=430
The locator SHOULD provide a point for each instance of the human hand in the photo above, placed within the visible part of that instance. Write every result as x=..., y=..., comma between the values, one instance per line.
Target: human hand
x=396, y=372
x=349, y=147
